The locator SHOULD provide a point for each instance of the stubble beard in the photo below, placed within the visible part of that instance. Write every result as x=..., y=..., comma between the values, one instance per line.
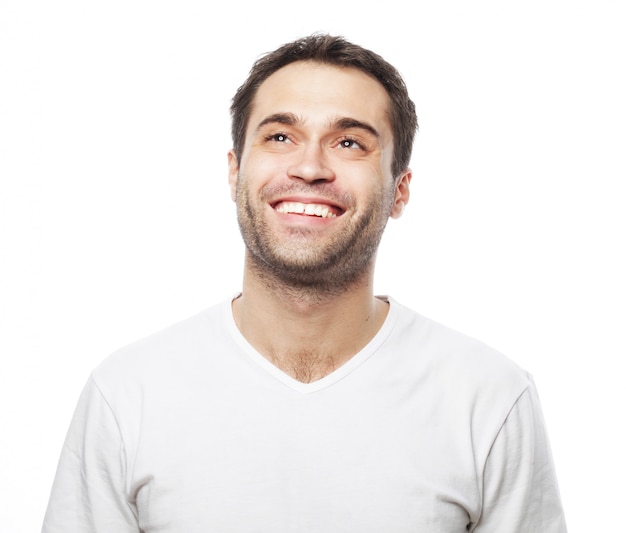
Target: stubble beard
x=300, y=264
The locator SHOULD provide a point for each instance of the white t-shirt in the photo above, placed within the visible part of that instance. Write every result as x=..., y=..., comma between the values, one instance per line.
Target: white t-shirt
x=193, y=431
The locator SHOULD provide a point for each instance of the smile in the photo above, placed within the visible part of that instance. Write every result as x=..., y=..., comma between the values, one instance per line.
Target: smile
x=314, y=210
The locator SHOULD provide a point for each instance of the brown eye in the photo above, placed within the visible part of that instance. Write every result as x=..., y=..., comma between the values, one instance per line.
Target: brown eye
x=277, y=137
x=350, y=143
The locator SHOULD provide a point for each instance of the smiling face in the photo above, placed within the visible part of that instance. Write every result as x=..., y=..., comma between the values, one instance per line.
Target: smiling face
x=313, y=185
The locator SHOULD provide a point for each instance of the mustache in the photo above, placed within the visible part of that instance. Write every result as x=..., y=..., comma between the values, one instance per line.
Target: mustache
x=322, y=189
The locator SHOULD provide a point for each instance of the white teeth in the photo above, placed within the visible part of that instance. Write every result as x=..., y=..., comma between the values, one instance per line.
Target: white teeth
x=300, y=208
x=293, y=207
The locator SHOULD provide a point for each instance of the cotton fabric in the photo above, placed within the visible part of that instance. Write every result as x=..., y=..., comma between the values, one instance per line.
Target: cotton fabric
x=192, y=430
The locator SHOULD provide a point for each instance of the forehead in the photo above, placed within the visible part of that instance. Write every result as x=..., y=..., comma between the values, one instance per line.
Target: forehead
x=317, y=91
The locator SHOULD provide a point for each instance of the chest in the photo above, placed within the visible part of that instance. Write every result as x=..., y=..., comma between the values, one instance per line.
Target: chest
x=269, y=462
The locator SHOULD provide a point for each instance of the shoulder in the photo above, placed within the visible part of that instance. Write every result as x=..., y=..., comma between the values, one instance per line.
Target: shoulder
x=468, y=367
x=163, y=353
x=468, y=387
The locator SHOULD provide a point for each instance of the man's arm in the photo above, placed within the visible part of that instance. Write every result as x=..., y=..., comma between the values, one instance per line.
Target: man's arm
x=520, y=490
x=89, y=494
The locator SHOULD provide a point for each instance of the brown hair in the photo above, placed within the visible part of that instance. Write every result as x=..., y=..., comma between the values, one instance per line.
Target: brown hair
x=332, y=50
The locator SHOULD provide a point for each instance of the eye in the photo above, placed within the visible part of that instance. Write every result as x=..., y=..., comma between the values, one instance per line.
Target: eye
x=277, y=137
x=348, y=142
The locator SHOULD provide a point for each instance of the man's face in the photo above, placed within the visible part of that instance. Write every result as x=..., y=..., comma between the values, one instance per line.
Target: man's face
x=313, y=185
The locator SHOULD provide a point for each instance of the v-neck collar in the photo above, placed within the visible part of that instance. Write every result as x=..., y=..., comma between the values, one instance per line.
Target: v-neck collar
x=327, y=381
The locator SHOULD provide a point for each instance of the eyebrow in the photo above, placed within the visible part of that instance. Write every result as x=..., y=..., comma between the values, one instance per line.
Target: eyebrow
x=288, y=119
x=348, y=123
x=343, y=123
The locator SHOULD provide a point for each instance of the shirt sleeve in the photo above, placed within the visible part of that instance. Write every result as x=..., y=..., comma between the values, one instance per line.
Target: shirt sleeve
x=520, y=490
x=88, y=494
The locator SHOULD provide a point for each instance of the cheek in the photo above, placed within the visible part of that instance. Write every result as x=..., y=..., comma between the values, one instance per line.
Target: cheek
x=365, y=177
x=261, y=167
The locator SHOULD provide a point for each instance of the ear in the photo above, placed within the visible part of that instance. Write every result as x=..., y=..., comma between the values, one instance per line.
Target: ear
x=233, y=173
x=402, y=194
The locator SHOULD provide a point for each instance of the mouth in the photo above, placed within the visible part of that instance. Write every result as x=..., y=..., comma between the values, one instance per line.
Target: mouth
x=319, y=210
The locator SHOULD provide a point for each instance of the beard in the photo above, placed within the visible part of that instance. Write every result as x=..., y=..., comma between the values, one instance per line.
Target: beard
x=302, y=259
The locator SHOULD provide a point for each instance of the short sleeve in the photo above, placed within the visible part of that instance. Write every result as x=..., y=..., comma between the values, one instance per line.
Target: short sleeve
x=520, y=490
x=88, y=493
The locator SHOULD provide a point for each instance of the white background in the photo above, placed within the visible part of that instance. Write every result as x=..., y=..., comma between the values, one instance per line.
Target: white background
x=115, y=217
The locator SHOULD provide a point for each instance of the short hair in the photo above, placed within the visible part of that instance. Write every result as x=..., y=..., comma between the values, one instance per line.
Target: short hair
x=337, y=51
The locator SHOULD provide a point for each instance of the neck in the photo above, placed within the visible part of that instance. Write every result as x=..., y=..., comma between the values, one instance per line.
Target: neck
x=304, y=332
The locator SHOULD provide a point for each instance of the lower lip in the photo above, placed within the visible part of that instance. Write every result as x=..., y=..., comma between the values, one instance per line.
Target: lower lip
x=304, y=220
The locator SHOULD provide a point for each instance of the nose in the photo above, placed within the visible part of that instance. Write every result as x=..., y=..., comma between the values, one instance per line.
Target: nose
x=310, y=164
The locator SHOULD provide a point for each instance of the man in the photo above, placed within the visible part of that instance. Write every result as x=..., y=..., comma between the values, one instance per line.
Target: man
x=307, y=403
